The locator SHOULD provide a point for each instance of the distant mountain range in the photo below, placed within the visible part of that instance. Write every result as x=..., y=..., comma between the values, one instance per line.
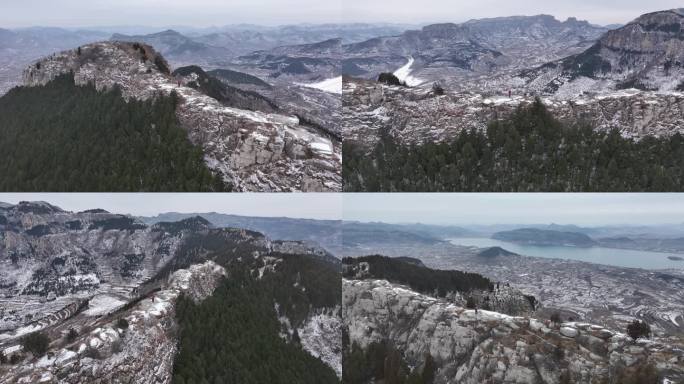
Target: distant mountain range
x=327, y=233
x=478, y=46
x=647, y=54
x=544, y=237
x=180, y=49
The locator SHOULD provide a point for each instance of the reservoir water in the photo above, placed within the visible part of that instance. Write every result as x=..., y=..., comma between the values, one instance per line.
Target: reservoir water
x=609, y=256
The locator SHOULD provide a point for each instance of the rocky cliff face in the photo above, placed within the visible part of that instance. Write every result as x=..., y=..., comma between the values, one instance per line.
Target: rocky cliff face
x=414, y=115
x=647, y=53
x=48, y=252
x=471, y=346
x=140, y=352
x=252, y=151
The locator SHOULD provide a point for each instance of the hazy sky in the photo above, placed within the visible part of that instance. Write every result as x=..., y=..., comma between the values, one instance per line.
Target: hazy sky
x=516, y=208
x=419, y=11
x=204, y=13
x=300, y=205
x=198, y=13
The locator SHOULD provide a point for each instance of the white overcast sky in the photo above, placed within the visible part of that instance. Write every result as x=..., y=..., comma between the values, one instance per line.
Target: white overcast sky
x=296, y=205
x=205, y=13
x=516, y=208
x=429, y=208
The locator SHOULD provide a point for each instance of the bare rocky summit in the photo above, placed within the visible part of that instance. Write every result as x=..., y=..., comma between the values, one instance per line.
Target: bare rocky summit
x=252, y=151
x=470, y=346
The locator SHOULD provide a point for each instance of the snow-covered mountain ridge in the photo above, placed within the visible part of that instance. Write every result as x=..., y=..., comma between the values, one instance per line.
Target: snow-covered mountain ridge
x=142, y=352
x=252, y=151
x=86, y=271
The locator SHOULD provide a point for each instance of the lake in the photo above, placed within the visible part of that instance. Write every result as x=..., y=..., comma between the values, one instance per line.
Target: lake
x=609, y=256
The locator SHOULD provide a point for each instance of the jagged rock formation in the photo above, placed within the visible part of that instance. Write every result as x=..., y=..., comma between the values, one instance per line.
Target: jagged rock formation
x=647, y=53
x=470, y=346
x=252, y=151
x=141, y=352
x=460, y=288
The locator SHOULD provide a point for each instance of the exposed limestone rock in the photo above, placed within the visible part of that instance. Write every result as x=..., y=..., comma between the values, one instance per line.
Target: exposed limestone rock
x=471, y=346
x=245, y=147
x=414, y=116
x=141, y=353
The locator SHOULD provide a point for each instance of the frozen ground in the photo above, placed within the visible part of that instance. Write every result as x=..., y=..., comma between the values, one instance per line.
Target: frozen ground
x=404, y=74
x=333, y=85
x=321, y=336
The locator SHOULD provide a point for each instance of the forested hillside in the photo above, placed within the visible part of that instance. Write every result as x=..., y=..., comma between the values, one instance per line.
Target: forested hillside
x=63, y=137
x=235, y=335
x=226, y=94
x=529, y=151
x=419, y=278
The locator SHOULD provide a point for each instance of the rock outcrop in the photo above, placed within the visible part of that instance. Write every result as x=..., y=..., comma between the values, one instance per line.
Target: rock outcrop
x=414, y=115
x=252, y=151
x=137, y=351
x=470, y=346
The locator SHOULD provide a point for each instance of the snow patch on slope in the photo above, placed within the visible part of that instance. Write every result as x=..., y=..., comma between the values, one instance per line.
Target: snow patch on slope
x=103, y=304
x=404, y=74
x=333, y=85
x=320, y=336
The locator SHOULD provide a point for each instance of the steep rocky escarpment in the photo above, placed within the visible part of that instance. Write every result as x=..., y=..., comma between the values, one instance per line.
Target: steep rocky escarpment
x=647, y=53
x=48, y=252
x=135, y=345
x=195, y=77
x=249, y=150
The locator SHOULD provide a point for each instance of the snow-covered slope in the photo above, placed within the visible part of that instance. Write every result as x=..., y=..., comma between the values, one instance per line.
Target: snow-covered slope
x=333, y=85
x=140, y=353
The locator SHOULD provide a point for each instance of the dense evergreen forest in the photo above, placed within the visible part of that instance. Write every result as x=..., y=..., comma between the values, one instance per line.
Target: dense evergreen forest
x=226, y=94
x=382, y=363
x=233, y=336
x=529, y=151
x=64, y=137
x=421, y=279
